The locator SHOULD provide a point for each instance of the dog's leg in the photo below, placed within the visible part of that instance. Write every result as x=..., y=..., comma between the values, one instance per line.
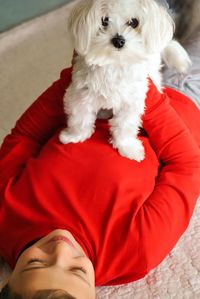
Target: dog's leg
x=78, y=128
x=80, y=120
x=124, y=128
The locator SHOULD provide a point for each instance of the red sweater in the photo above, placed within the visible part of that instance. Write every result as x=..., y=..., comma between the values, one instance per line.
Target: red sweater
x=126, y=215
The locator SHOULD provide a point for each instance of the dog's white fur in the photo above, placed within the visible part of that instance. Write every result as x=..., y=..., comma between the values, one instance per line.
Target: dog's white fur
x=106, y=77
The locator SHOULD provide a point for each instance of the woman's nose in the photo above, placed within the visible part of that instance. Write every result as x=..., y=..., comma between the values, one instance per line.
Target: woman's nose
x=62, y=253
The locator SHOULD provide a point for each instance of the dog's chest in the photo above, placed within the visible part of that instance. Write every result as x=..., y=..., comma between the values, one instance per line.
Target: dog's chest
x=112, y=85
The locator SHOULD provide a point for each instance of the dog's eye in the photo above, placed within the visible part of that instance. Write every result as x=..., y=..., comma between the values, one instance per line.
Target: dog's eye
x=134, y=23
x=105, y=21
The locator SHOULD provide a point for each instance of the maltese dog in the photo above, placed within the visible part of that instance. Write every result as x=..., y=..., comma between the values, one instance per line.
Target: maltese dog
x=119, y=45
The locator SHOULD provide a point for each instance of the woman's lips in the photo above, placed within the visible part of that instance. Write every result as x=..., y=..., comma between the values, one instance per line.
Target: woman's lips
x=61, y=238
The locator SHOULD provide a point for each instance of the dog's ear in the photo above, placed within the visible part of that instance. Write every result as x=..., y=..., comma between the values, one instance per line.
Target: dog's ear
x=158, y=27
x=83, y=23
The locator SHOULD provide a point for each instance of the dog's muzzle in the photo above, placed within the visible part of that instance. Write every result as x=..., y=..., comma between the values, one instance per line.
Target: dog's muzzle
x=118, y=41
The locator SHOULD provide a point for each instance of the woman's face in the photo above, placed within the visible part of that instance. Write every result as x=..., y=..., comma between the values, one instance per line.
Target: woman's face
x=56, y=261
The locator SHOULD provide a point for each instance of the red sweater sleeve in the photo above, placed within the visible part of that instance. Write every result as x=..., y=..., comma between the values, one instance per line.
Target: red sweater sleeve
x=34, y=128
x=166, y=213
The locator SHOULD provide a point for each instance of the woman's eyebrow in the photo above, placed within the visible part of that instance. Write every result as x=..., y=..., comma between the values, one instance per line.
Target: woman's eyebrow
x=32, y=268
x=82, y=278
x=75, y=274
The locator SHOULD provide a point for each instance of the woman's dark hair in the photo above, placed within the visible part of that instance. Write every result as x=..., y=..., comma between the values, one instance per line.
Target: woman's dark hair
x=8, y=293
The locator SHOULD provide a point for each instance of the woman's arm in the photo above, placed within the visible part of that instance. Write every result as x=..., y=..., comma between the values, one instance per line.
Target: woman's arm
x=34, y=128
x=166, y=213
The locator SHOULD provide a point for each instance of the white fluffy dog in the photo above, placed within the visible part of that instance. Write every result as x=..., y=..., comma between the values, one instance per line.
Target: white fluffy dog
x=119, y=45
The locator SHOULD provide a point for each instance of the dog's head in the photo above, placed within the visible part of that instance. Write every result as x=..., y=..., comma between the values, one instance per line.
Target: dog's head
x=116, y=31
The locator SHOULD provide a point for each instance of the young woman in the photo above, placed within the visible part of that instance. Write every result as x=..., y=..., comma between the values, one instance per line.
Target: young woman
x=78, y=215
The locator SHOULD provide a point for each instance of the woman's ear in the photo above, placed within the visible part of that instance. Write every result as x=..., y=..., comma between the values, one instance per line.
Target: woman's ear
x=158, y=28
x=84, y=23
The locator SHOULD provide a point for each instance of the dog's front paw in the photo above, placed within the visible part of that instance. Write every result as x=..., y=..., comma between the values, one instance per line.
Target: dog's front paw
x=67, y=137
x=130, y=148
x=74, y=136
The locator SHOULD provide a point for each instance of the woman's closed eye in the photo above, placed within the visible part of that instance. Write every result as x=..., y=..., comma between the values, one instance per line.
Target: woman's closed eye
x=80, y=272
x=80, y=269
x=35, y=263
x=36, y=260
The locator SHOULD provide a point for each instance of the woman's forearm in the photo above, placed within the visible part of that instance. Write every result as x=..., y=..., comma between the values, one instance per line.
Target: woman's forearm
x=166, y=213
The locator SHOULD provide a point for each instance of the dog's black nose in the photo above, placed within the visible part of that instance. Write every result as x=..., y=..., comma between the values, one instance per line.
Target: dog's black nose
x=118, y=41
